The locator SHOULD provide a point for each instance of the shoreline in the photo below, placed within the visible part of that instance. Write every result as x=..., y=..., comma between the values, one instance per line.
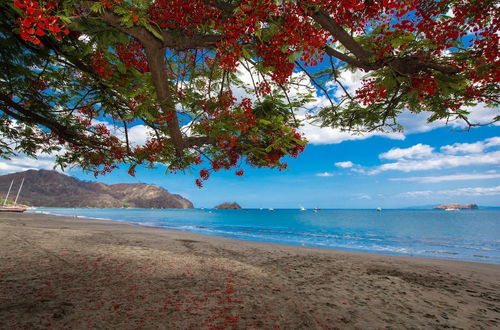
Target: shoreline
x=58, y=272
x=478, y=259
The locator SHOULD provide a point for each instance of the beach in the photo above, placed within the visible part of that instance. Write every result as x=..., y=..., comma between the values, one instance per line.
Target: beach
x=63, y=272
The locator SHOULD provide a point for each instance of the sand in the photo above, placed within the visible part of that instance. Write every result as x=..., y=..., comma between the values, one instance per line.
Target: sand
x=58, y=272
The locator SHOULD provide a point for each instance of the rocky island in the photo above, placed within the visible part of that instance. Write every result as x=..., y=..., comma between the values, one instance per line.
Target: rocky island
x=228, y=206
x=455, y=206
x=54, y=189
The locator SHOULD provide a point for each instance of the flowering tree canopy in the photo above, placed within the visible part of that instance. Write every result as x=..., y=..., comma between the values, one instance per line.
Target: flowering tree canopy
x=77, y=76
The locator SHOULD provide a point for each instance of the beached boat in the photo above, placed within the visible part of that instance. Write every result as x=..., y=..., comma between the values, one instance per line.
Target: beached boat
x=13, y=207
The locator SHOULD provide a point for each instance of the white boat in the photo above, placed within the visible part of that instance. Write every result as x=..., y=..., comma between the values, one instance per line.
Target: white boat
x=378, y=209
x=13, y=207
x=451, y=209
x=302, y=208
x=271, y=209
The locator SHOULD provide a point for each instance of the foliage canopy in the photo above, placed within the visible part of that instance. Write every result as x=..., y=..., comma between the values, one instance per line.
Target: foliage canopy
x=78, y=76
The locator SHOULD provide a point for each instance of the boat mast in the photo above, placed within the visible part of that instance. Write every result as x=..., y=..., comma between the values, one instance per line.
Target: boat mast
x=17, y=196
x=5, y=201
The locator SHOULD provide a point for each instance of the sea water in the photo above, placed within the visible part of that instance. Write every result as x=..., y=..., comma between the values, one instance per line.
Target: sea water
x=472, y=235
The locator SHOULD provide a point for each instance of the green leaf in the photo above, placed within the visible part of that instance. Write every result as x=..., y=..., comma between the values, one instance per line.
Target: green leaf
x=121, y=67
x=153, y=31
x=98, y=7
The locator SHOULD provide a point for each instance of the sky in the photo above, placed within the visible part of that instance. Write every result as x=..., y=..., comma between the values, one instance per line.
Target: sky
x=427, y=164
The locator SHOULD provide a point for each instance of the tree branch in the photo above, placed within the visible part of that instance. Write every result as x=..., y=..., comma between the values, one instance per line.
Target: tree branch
x=329, y=24
x=29, y=116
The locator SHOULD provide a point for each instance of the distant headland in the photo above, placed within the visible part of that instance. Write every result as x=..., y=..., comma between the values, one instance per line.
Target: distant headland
x=455, y=206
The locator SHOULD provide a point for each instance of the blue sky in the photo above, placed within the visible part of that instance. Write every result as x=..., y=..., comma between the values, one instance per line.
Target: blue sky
x=428, y=164
x=440, y=166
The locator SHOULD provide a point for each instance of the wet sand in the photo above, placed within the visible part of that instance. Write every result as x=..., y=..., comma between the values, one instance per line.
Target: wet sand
x=58, y=272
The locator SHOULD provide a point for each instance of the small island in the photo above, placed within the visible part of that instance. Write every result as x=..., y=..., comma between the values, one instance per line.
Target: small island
x=455, y=206
x=228, y=206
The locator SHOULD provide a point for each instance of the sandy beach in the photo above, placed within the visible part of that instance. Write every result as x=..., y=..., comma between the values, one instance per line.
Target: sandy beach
x=58, y=272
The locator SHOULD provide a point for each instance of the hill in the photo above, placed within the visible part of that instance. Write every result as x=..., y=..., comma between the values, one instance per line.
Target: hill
x=228, y=206
x=53, y=189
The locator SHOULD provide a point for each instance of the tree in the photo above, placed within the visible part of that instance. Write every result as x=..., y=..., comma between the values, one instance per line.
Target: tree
x=69, y=67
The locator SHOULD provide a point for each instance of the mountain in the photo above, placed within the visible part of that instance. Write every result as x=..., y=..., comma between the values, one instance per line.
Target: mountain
x=228, y=206
x=53, y=189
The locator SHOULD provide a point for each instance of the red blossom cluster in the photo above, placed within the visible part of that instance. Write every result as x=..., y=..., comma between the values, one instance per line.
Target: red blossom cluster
x=263, y=89
x=132, y=55
x=186, y=15
x=37, y=20
x=371, y=92
x=101, y=65
x=151, y=149
x=425, y=84
x=289, y=31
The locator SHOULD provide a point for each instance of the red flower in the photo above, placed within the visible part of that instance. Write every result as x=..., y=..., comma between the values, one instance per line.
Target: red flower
x=204, y=174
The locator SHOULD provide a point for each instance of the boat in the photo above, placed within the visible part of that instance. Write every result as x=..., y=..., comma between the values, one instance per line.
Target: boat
x=302, y=208
x=13, y=207
x=378, y=209
x=451, y=209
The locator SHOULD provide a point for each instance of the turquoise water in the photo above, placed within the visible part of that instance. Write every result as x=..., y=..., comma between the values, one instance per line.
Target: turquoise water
x=472, y=235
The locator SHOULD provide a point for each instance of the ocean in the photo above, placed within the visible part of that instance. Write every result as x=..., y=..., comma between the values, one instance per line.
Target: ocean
x=472, y=235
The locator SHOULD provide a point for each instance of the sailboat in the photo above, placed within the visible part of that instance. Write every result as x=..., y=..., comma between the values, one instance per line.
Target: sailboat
x=13, y=207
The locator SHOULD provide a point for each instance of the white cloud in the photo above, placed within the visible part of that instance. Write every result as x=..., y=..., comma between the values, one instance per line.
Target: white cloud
x=422, y=157
x=22, y=163
x=327, y=135
x=452, y=177
x=347, y=164
x=417, y=151
x=463, y=148
x=350, y=80
x=477, y=147
x=324, y=174
x=364, y=196
x=138, y=134
x=476, y=191
x=439, y=161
